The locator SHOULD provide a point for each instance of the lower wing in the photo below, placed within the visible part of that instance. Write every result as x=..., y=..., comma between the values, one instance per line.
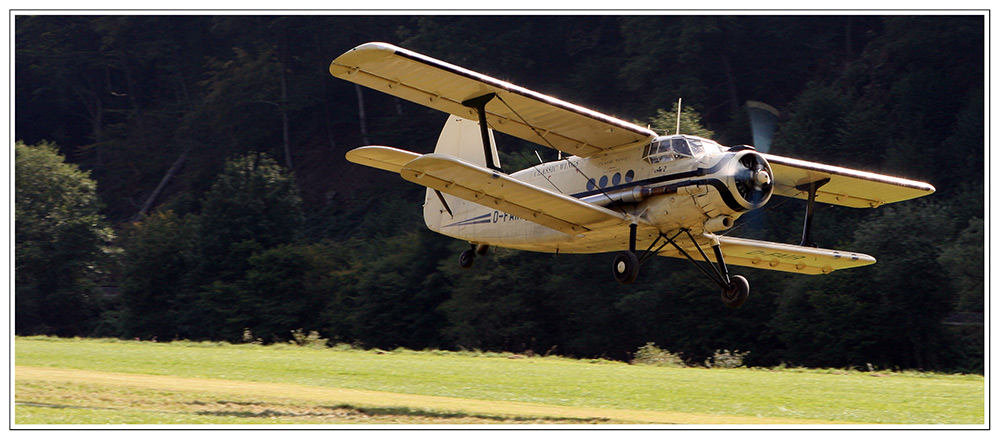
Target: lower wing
x=486, y=187
x=781, y=257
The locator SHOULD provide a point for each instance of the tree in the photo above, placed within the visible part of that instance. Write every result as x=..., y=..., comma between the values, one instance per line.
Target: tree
x=285, y=288
x=253, y=199
x=666, y=122
x=60, y=240
x=964, y=260
x=395, y=292
x=155, y=265
x=254, y=205
x=889, y=314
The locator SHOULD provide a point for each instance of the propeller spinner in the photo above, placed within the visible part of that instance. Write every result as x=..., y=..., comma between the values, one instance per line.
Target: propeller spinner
x=752, y=179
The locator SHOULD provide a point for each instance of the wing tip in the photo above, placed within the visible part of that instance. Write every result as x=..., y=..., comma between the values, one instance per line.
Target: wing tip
x=367, y=52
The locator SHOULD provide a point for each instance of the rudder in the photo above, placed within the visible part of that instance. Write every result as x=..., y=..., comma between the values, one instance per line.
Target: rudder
x=460, y=138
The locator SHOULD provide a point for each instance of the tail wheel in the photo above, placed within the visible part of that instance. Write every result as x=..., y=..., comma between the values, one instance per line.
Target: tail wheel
x=736, y=294
x=466, y=259
x=626, y=267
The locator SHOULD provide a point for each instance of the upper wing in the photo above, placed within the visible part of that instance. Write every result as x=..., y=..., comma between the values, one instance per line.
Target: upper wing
x=516, y=111
x=486, y=187
x=846, y=187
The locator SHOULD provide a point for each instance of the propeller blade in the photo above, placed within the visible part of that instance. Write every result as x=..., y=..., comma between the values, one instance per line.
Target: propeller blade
x=763, y=120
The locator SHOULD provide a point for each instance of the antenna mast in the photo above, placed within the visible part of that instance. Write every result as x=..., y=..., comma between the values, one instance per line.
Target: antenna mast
x=678, y=116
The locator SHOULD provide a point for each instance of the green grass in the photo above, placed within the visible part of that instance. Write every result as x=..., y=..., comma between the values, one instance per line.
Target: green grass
x=833, y=395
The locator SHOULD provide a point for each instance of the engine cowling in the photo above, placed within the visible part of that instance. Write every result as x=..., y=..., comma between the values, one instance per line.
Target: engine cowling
x=749, y=179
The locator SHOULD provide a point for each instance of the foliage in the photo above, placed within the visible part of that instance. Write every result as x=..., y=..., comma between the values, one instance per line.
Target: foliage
x=650, y=354
x=158, y=257
x=61, y=242
x=311, y=340
x=284, y=288
x=391, y=299
x=961, y=259
x=726, y=359
x=666, y=122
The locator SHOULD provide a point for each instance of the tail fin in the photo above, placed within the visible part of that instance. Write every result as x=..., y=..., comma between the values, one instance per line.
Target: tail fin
x=461, y=138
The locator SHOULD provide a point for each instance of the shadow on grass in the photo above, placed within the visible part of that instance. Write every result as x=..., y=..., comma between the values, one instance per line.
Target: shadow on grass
x=347, y=410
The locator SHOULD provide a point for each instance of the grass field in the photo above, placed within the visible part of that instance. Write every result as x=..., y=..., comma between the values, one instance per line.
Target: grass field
x=78, y=381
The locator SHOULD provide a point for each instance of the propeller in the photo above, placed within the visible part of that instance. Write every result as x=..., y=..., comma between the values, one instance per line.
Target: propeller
x=763, y=121
x=753, y=179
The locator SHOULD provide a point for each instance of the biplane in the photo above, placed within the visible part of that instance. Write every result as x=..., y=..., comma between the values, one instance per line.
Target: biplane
x=619, y=188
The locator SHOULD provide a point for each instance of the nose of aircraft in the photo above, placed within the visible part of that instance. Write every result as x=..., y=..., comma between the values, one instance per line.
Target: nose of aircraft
x=762, y=177
x=752, y=179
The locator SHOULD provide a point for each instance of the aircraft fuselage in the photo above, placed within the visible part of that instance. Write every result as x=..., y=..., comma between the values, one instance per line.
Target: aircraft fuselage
x=662, y=190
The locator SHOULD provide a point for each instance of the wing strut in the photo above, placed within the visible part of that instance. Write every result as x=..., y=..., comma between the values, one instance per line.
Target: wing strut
x=811, y=188
x=479, y=103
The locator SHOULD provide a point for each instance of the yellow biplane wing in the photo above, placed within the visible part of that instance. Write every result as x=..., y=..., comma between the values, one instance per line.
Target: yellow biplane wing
x=516, y=111
x=477, y=184
x=788, y=257
x=841, y=186
x=774, y=256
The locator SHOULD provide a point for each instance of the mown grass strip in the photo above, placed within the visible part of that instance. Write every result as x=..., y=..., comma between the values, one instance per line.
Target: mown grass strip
x=84, y=402
x=384, y=402
x=832, y=396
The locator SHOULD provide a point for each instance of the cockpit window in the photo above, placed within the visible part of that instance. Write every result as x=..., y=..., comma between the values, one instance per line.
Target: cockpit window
x=665, y=150
x=696, y=147
x=705, y=145
x=680, y=146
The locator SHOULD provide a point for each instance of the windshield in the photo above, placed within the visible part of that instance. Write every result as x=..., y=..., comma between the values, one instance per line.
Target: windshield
x=705, y=145
x=673, y=148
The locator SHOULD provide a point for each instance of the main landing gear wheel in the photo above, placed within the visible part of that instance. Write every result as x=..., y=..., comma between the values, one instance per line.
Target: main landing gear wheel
x=734, y=296
x=467, y=258
x=626, y=267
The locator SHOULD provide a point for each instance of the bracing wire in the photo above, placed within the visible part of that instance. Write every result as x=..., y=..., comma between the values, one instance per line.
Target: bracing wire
x=526, y=158
x=525, y=122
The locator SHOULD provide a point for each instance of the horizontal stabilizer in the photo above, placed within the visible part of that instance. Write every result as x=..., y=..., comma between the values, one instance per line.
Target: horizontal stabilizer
x=517, y=111
x=383, y=158
x=486, y=187
x=846, y=187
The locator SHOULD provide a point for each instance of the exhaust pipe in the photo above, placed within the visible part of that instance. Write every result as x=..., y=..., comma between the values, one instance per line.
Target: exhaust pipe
x=634, y=194
x=719, y=223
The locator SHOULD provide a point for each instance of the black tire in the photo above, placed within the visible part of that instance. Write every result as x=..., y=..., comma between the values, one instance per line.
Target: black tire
x=626, y=267
x=737, y=293
x=467, y=258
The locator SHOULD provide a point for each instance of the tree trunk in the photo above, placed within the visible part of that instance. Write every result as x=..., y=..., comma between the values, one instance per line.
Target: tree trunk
x=284, y=108
x=361, y=115
x=159, y=188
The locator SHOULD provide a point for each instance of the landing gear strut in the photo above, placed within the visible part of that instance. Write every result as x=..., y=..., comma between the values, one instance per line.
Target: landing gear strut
x=626, y=264
x=735, y=288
